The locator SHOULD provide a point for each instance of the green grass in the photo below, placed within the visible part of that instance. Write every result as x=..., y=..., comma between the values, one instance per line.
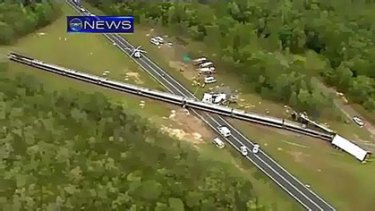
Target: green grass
x=85, y=52
x=338, y=177
x=75, y=53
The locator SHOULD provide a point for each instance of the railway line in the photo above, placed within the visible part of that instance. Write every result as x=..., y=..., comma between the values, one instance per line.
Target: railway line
x=290, y=184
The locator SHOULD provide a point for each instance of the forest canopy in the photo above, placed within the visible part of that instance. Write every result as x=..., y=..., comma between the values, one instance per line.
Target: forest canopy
x=18, y=18
x=71, y=150
x=261, y=41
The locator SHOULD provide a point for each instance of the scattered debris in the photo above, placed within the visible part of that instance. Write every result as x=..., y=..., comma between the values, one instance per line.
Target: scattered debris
x=173, y=114
x=142, y=104
x=135, y=76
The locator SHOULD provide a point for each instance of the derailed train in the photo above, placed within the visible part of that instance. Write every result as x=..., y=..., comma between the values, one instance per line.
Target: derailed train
x=171, y=98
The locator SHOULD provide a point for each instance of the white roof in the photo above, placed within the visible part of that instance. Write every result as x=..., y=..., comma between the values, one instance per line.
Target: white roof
x=206, y=64
x=206, y=69
x=207, y=98
x=219, y=98
x=218, y=141
x=224, y=129
x=200, y=59
x=349, y=147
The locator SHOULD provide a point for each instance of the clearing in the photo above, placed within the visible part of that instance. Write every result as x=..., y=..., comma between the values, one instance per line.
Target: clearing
x=94, y=54
x=339, y=178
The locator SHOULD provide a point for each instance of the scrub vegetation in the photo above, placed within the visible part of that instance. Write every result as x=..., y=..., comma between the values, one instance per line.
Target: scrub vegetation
x=263, y=41
x=18, y=18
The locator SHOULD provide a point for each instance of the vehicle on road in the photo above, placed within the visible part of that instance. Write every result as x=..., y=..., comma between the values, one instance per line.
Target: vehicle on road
x=219, y=143
x=255, y=148
x=209, y=80
x=136, y=52
x=224, y=131
x=358, y=121
x=243, y=150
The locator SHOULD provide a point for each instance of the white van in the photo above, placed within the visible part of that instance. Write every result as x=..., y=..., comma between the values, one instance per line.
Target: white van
x=219, y=143
x=209, y=80
x=199, y=61
x=206, y=64
x=224, y=131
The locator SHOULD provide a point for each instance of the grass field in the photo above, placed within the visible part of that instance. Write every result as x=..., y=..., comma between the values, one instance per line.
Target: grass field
x=93, y=54
x=336, y=176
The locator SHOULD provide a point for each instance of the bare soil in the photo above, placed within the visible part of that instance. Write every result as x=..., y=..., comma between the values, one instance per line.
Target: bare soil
x=185, y=126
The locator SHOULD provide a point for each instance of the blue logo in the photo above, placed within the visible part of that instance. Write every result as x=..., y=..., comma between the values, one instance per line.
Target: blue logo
x=76, y=24
x=100, y=24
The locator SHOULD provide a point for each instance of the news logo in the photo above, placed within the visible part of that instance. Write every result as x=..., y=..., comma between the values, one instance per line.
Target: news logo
x=100, y=24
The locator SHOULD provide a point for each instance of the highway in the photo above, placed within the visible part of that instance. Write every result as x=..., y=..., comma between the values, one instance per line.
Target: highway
x=296, y=189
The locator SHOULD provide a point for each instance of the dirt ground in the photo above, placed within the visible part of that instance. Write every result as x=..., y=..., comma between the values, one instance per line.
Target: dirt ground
x=184, y=126
x=134, y=76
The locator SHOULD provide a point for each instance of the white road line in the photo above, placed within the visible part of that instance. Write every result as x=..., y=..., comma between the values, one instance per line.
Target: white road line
x=172, y=85
x=252, y=161
x=287, y=172
x=270, y=167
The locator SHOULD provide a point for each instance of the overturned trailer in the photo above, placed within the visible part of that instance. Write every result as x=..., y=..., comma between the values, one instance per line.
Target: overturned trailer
x=350, y=148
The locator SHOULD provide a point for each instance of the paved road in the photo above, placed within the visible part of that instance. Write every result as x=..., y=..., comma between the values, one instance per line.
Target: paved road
x=308, y=199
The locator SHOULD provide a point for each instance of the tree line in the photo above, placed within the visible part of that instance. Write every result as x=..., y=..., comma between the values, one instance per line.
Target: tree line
x=276, y=46
x=18, y=18
x=71, y=150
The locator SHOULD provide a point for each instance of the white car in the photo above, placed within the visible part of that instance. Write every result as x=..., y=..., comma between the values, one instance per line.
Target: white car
x=243, y=150
x=209, y=80
x=159, y=39
x=255, y=148
x=206, y=64
x=219, y=143
x=199, y=60
x=224, y=131
x=154, y=41
x=358, y=121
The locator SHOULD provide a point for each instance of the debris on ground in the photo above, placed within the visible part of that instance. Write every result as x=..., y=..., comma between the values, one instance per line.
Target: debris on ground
x=135, y=76
x=142, y=104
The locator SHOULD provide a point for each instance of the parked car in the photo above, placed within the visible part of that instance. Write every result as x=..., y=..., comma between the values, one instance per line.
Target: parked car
x=154, y=41
x=219, y=143
x=159, y=39
x=199, y=61
x=209, y=80
x=358, y=121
